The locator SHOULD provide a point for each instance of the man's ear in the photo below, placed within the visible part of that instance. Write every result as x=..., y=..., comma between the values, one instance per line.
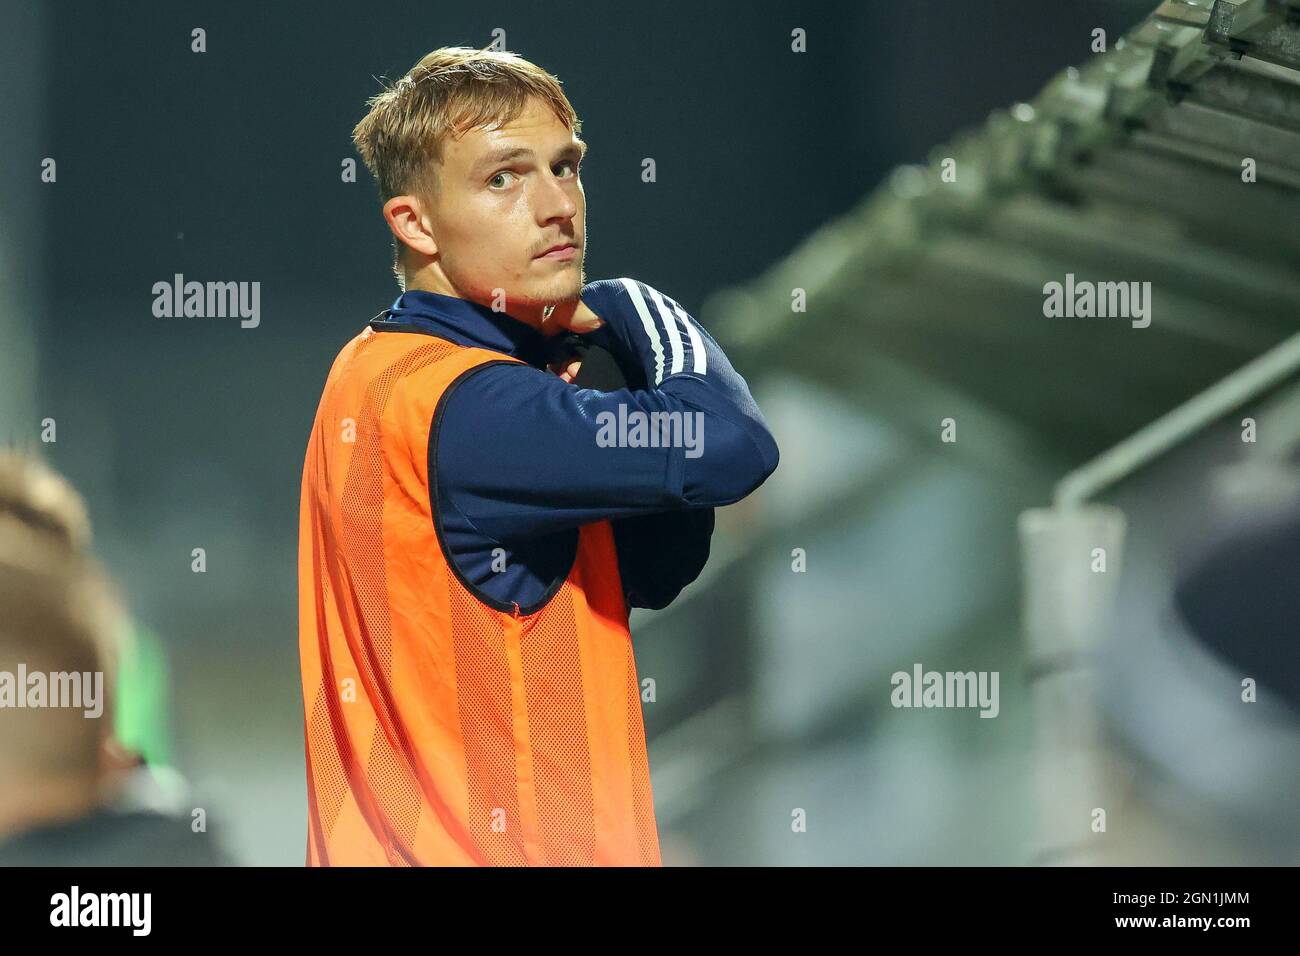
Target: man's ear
x=406, y=218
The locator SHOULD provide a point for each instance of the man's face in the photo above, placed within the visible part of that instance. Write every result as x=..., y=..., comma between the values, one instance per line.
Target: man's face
x=504, y=197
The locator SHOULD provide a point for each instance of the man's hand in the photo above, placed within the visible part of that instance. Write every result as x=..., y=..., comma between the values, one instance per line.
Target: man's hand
x=567, y=369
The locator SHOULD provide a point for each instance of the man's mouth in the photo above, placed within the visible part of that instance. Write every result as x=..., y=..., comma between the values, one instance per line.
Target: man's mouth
x=563, y=250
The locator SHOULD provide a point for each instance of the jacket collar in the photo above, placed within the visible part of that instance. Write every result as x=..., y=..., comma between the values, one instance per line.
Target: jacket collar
x=466, y=323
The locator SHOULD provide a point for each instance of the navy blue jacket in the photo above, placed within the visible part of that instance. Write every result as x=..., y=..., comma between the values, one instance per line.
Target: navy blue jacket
x=520, y=459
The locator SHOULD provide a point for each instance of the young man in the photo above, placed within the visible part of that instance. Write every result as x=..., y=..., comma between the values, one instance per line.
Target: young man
x=474, y=526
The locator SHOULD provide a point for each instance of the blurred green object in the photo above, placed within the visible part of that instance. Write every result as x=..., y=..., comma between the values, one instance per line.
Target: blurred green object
x=140, y=720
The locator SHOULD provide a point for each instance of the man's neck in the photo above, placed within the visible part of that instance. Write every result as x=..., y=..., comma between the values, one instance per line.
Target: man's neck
x=534, y=316
x=34, y=803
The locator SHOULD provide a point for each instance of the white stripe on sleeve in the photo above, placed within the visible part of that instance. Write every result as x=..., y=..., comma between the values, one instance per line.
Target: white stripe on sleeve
x=697, y=344
x=670, y=324
x=649, y=323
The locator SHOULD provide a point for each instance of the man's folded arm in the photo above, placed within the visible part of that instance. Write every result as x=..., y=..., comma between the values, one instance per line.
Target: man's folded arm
x=521, y=453
x=659, y=554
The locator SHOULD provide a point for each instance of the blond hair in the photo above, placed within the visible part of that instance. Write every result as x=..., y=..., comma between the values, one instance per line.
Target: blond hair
x=60, y=613
x=33, y=494
x=448, y=92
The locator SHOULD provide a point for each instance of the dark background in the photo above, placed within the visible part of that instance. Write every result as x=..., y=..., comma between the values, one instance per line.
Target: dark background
x=225, y=165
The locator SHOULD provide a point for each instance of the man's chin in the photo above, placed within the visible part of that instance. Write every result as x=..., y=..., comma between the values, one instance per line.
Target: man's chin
x=563, y=289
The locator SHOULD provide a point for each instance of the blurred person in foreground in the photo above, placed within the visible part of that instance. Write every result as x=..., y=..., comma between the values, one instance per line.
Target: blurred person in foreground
x=476, y=522
x=70, y=792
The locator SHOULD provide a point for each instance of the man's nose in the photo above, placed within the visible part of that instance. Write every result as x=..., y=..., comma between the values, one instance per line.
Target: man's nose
x=553, y=201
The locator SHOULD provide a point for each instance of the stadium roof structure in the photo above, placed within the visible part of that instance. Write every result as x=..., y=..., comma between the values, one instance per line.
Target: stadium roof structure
x=1173, y=158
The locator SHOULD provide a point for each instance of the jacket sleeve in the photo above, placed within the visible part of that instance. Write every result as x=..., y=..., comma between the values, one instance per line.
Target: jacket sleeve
x=660, y=553
x=522, y=453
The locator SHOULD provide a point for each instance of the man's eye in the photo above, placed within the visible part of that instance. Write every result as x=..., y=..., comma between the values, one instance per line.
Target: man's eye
x=504, y=172
x=570, y=165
